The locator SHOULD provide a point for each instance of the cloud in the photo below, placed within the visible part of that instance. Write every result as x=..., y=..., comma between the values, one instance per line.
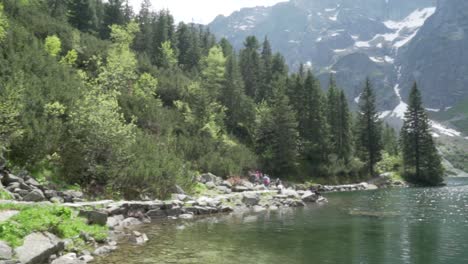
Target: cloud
x=203, y=11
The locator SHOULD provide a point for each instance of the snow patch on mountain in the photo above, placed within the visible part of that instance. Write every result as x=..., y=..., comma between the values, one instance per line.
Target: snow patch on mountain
x=444, y=130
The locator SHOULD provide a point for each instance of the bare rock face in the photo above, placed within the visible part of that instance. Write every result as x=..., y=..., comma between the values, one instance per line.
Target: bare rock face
x=38, y=247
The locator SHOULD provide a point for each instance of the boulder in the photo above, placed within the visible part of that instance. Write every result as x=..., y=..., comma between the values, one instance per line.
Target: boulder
x=130, y=221
x=94, y=217
x=50, y=193
x=33, y=182
x=210, y=185
x=34, y=196
x=6, y=252
x=250, y=199
x=38, y=247
x=115, y=220
x=69, y=258
x=7, y=214
x=208, y=177
x=226, y=184
x=156, y=214
x=258, y=209
x=71, y=196
x=223, y=189
x=10, y=178
x=104, y=250
x=138, y=238
x=309, y=197
x=56, y=200
x=12, y=186
x=290, y=193
x=86, y=258
x=186, y=216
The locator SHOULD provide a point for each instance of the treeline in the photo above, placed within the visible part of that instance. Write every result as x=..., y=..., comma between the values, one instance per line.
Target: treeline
x=123, y=103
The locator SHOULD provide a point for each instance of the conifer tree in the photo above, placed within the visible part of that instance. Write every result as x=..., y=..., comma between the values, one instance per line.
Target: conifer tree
x=421, y=161
x=345, y=137
x=277, y=135
x=240, y=109
x=390, y=140
x=313, y=125
x=369, y=138
x=264, y=91
x=250, y=66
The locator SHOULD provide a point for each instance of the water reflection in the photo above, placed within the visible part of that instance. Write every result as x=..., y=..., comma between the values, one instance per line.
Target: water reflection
x=387, y=226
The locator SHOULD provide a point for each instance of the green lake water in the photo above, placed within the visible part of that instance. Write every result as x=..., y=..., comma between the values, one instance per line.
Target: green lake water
x=414, y=225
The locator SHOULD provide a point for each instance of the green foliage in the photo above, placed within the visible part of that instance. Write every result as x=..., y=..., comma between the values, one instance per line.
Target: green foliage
x=11, y=106
x=213, y=71
x=57, y=220
x=168, y=57
x=369, y=130
x=70, y=58
x=53, y=45
x=421, y=160
x=389, y=163
x=3, y=24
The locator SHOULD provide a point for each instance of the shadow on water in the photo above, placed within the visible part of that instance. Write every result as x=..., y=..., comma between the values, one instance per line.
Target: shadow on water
x=416, y=225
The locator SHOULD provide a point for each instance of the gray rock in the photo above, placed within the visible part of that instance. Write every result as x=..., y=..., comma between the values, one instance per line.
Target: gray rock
x=104, y=250
x=6, y=252
x=130, y=221
x=224, y=189
x=33, y=182
x=94, y=217
x=50, y=193
x=156, y=214
x=69, y=258
x=10, y=178
x=138, y=238
x=226, y=184
x=309, y=197
x=12, y=186
x=290, y=193
x=115, y=220
x=210, y=185
x=7, y=214
x=208, y=177
x=186, y=216
x=258, y=209
x=34, y=196
x=250, y=199
x=56, y=200
x=175, y=211
x=38, y=247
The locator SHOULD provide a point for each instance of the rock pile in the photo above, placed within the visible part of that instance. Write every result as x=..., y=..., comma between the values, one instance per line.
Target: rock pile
x=25, y=188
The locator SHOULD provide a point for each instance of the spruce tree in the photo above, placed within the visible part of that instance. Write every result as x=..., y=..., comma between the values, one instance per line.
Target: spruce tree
x=345, y=137
x=277, y=135
x=369, y=136
x=265, y=89
x=421, y=161
x=251, y=66
x=390, y=140
x=313, y=125
x=240, y=109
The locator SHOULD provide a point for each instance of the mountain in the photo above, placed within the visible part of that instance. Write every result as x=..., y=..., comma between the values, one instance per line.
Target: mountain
x=394, y=42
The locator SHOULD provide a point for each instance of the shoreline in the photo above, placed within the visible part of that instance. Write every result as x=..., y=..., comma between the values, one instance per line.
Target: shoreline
x=122, y=218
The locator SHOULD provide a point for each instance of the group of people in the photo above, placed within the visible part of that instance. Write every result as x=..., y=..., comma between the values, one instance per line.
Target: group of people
x=260, y=178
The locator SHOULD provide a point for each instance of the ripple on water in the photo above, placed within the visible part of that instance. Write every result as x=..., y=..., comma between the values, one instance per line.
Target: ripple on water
x=420, y=225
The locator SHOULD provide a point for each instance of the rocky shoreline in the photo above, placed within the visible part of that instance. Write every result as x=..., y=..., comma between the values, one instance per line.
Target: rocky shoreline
x=123, y=217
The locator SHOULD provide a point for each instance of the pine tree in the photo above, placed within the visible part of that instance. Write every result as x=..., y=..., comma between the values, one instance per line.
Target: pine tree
x=313, y=125
x=345, y=137
x=369, y=136
x=422, y=163
x=264, y=90
x=240, y=112
x=250, y=66
x=390, y=140
x=277, y=135
x=113, y=15
x=81, y=15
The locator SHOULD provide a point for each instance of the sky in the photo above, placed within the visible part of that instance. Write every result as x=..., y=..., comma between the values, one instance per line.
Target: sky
x=203, y=11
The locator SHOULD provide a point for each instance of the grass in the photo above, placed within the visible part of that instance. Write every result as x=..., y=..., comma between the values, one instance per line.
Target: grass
x=4, y=195
x=57, y=220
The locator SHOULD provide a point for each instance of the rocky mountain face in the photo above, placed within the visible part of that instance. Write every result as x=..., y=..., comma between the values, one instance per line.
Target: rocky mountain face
x=394, y=42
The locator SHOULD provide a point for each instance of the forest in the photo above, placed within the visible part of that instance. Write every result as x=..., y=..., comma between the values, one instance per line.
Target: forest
x=121, y=103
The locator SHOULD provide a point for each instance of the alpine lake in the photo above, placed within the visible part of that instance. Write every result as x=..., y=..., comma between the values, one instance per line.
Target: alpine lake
x=407, y=225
